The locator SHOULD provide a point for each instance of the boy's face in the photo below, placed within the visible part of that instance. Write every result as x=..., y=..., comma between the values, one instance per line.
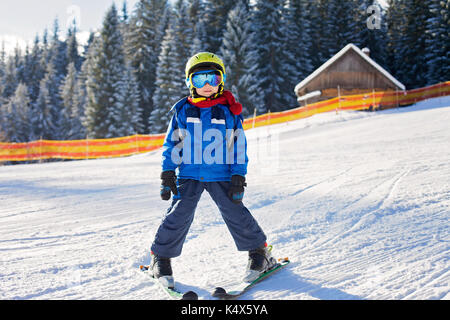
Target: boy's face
x=207, y=91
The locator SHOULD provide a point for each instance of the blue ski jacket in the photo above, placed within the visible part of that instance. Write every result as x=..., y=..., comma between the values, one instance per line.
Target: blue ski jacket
x=205, y=143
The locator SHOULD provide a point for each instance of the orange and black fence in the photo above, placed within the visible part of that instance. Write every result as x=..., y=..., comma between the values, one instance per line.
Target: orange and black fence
x=80, y=149
x=385, y=99
x=125, y=146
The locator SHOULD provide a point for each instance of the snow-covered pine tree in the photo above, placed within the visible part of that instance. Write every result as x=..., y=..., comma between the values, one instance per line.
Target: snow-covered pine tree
x=66, y=92
x=300, y=39
x=170, y=82
x=73, y=55
x=340, y=26
x=40, y=116
x=317, y=31
x=215, y=15
x=17, y=116
x=45, y=50
x=199, y=42
x=58, y=52
x=45, y=70
x=2, y=100
x=239, y=58
x=71, y=127
x=93, y=112
x=270, y=40
x=2, y=72
x=438, y=43
x=127, y=115
x=125, y=16
x=2, y=59
x=34, y=70
x=410, y=42
x=19, y=64
x=47, y=111
x=143, y=46
x=7, y=125
x=196, y=16
x=80, y=95
x=396, y=23
x=297, y=64
x=87, y=45
x=196, y=9
x=3, y=123
x=124, y=22
x=183, y=32
x=10, y=79
x=105, y=72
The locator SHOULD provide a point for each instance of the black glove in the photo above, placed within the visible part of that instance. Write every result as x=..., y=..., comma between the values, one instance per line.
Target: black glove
x=168, y=184
x=236, y=191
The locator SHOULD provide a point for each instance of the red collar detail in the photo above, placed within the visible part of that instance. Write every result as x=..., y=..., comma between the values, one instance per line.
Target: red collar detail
x=226, y=98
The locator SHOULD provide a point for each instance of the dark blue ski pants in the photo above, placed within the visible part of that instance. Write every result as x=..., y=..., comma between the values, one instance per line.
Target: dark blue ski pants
x=172, y=232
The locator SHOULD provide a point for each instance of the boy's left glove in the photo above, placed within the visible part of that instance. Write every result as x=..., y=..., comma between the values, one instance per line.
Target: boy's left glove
x=236, y=192
x=168, y=184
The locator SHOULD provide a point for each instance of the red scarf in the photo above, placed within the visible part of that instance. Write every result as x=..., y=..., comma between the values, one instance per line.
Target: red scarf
x=226, y=98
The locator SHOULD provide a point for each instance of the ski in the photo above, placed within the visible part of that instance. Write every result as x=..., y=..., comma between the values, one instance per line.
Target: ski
x=172, y=293
x=243, y=287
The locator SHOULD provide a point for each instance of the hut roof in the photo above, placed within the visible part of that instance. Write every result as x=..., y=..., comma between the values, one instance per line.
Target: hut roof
x=348, y=47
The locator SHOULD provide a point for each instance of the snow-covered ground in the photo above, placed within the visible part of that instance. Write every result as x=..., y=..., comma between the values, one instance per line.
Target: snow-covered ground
x=360, y=203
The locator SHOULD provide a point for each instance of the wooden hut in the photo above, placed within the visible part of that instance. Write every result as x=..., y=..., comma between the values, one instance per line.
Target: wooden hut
x=350, y=71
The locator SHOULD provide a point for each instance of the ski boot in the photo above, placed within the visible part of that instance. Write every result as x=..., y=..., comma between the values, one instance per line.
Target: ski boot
x=162, y=271
x=259, y=261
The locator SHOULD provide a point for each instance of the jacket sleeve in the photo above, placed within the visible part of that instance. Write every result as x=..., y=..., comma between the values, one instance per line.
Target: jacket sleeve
x=169, y=145
x=240, y=163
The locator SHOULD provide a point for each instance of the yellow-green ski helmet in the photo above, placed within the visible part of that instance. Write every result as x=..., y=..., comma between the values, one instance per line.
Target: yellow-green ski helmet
x=204, y=59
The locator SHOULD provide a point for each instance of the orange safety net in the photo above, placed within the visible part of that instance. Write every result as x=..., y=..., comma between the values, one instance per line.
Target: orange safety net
x=80, y=149
x=386, y=99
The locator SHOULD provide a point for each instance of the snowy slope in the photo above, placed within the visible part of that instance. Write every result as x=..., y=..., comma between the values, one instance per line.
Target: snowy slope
x=359, y=201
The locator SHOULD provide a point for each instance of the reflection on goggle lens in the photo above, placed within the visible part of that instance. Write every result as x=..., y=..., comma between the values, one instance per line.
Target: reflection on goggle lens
x=199, y=79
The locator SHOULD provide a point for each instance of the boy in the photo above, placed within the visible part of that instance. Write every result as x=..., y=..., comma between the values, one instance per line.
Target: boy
x=219, y=167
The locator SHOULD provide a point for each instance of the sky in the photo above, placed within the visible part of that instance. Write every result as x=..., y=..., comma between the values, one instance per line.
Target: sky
x=21, y=20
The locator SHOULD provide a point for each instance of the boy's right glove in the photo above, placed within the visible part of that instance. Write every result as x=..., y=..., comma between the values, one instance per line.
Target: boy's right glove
x=236, y=191
x=168, y=184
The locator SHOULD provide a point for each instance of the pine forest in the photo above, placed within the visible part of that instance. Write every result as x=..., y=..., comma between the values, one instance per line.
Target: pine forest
x=129, y=74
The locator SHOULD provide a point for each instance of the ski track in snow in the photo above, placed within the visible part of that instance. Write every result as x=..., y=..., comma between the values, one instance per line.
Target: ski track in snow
x=358, y=201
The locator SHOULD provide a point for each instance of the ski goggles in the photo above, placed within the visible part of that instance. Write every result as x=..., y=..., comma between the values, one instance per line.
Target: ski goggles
x=201, y=78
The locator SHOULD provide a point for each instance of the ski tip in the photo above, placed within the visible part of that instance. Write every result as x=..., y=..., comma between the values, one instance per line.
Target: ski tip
x=285, y=259
x=219, y=292
x=190, y=295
